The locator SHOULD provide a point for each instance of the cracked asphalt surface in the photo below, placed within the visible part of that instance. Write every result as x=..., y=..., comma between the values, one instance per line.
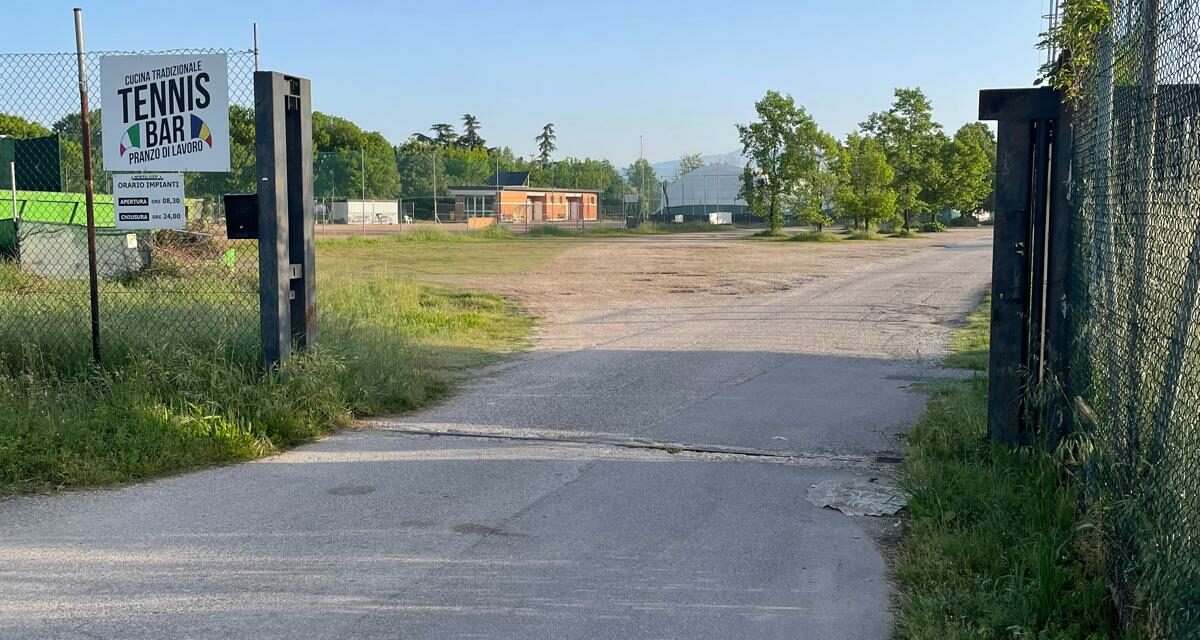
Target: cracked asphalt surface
x=641, y=474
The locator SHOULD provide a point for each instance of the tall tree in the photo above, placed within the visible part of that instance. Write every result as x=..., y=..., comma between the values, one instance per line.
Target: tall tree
x=864, y=193
x=443, y=134
x=420, y=164
x=912, y=141
x=813, y=199
x=642, y=180
x=689, y=162
x=967, y=170
x=545, y=142
x=784, y=147
x=347, y=157
x=471, y=138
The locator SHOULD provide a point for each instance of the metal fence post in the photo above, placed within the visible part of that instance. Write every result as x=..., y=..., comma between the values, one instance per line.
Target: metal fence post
x=88, y=189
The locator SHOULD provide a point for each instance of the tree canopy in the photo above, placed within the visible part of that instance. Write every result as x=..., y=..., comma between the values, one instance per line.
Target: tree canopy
x=865, y=192
x=912, y=141
x=784, y=144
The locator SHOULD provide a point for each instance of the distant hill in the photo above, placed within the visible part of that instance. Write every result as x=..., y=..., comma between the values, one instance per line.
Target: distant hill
x=669, y=170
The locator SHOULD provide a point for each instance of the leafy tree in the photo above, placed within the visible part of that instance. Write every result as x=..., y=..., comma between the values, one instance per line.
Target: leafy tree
x=689, y=162
x=812, y=201
x=343, y=152
x=444, y=135
x=865, y=193
x=17, y=127
x=783, y=145
x=471, y=138
x=466, y=165
x=417, y=163
x=912, y=140
x=642, y=180
x=968, y=168
x=545, y=142
x=70, y=141
x=242, y=170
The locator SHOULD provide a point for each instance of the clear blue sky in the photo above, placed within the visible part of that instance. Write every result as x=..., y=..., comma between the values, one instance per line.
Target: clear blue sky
x=679, y=73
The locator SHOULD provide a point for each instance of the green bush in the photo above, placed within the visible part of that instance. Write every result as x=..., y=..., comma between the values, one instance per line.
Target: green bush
x=932, y=227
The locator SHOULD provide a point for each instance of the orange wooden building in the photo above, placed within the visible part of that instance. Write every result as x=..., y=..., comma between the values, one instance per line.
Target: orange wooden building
x=509, y=198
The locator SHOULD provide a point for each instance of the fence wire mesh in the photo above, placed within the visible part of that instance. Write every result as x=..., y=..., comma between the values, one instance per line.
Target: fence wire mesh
x=1135, y=355
x=158, y=289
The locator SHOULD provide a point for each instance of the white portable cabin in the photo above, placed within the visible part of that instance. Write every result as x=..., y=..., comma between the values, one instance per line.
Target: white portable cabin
x=365, y=212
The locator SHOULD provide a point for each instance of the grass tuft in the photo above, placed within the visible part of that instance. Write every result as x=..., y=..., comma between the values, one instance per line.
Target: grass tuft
x=815, y=236
x=996, y=546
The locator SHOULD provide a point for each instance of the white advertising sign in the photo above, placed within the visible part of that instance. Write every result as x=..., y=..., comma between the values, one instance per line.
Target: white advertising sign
x=165, y=113
x=149, y=201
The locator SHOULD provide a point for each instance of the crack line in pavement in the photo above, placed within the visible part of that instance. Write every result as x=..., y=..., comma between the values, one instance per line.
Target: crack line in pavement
x=874, y=462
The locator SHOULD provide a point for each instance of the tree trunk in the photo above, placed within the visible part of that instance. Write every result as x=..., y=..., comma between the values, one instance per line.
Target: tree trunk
x=907, y=219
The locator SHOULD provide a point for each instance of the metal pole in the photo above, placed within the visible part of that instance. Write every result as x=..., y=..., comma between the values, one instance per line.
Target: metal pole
x=642, y=204
x=362, y=167
x=255, y=46
x=435, y=211
x=12, y=172
x=89, y=195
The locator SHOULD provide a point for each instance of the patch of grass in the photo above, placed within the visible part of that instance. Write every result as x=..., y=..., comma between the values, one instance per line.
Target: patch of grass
x=815, y=236
x=767, y=234
x=170, y=401
x=552, y=231
x=969, y=346
x=436, y=253
x=861, y=234
x=905, y=233
x=996, y=546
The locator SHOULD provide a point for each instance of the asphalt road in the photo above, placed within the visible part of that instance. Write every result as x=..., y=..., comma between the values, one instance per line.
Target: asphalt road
x=649, y=486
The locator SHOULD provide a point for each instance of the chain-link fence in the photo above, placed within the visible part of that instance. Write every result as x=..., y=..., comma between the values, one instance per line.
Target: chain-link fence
x=158, y=289
x=1135, y=292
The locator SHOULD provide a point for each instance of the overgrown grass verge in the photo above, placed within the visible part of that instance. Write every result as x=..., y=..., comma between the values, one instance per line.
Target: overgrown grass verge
x=815, y=236
x=170, y=401
x=860, y=234
x=969, y=345
x=995, y=544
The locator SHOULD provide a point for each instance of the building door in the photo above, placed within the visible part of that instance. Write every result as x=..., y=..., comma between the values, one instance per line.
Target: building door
x=537, y=211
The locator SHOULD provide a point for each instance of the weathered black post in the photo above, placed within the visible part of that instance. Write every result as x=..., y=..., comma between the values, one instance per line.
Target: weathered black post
x=283, y=142
x=1029, y=261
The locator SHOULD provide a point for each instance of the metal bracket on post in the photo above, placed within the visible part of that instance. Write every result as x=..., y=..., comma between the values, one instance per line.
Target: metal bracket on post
x=1029, y=262
x=286, y=258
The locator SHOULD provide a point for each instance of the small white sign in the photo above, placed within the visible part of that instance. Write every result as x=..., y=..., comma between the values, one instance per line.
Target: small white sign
x=149, y=201
x=165, y=113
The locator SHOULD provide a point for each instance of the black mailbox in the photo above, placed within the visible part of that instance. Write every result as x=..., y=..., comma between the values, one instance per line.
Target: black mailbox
x=241, y=216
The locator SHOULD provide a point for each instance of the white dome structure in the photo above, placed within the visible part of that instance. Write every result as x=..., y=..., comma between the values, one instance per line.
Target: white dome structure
x=709, y=189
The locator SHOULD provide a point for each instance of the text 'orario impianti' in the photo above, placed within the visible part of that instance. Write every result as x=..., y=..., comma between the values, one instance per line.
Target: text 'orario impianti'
x=165, y=112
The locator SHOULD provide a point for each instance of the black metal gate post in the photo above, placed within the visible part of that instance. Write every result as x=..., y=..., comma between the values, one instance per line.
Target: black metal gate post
x=1029, y=262
x=287, y=283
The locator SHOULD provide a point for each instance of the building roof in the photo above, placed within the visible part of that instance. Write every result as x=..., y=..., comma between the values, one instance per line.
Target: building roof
x=509, y=179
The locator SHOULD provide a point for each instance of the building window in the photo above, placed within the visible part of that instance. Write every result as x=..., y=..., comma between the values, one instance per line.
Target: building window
x=477, y=206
